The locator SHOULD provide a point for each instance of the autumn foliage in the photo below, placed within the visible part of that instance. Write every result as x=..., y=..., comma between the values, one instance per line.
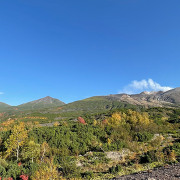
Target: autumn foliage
x=81, y=120
x=78, y=148
x=131, y=117
x=24, y=177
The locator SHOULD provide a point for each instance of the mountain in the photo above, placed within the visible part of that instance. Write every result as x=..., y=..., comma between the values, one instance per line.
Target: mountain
x=169, y=98
x=4, y=105
x=146, y=99
x=46, y=102
x=160, y=98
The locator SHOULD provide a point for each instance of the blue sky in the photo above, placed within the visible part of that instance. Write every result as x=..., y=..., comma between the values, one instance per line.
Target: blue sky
x=72, y=50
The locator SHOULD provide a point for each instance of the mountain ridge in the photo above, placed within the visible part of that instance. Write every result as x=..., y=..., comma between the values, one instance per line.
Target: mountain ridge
x=169, y=98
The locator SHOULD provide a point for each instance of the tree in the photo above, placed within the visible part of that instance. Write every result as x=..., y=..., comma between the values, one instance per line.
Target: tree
x=44, y=150
x=47, y=171
x=16, y=139
x=32, y=150
x=117, y=119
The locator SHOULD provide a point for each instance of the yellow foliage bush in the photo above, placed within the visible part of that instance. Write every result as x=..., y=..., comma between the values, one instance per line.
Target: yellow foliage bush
x=132, y=117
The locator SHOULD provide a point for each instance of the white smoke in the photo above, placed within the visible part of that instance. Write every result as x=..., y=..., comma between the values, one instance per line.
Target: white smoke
x=144, y=85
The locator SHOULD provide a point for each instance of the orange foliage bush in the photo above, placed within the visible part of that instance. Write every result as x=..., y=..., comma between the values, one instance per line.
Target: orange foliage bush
x=81, y=120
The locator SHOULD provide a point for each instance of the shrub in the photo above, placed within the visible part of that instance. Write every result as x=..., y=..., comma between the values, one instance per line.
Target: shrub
x=143, y=136
x=115, y=169
x=176, y=148
x=148, y=157
x=2, y=171
x=3, y=163
x=88, y=175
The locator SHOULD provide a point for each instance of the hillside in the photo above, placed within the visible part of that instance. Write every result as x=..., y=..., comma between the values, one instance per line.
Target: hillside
x=4, y=105
x=114, y=101
x=95, y=104
x=169, y=98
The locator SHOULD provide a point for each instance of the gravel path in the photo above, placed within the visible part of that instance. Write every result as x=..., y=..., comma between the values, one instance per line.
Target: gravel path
x=169, y=172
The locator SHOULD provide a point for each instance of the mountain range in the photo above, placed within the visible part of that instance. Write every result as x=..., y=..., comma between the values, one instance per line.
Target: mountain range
x=169, y=98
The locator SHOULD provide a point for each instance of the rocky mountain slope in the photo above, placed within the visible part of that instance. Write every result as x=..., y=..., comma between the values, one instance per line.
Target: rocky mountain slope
x=160, y=98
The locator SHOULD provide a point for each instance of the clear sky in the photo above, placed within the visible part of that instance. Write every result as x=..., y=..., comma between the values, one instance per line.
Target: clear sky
x=74, y=49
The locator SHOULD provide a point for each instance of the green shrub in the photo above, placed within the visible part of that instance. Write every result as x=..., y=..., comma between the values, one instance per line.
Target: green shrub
x=176, y=148
x=115, y=169
x=2, y=171
x=88, y=175
x=143, y=136
x=30, y=168
x=148, y=157
x=3, y=163
x=13, y=170
x=69, y=168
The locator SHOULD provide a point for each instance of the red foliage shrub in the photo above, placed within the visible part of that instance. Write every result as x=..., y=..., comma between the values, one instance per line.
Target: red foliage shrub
x=24, y=177
x=81, y=120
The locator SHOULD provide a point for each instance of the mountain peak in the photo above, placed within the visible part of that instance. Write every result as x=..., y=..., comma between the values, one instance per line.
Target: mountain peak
x=48, y=97
x=147, y=92
x=46, y=102
x=45, y=99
